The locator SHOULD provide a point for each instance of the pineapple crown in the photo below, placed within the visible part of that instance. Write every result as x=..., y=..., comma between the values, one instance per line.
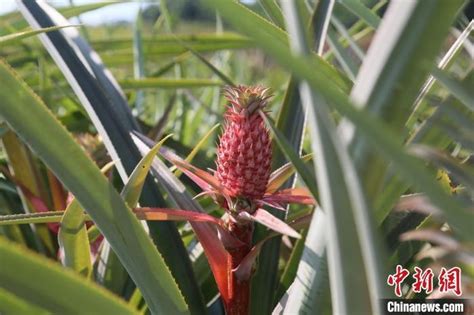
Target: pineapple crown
x=247, y=99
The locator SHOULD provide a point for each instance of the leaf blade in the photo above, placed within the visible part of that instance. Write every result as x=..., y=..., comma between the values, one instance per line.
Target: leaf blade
x=74, y=241
x=37, y=126
x=66, y=290
x=100, y=94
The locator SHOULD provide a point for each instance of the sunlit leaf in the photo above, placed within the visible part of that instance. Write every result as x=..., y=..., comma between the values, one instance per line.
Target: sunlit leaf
x=65, y=289
x=198, y=147
x=161, y=214
x=282, y=174
x=39, y=128
x=264, y=217
x=205, y=232
x=13, y=38
x=148, y=83
x=105, y=103
x=74, y=241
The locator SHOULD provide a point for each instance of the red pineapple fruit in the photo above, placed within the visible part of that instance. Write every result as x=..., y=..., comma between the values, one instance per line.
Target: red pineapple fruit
x=244, y=154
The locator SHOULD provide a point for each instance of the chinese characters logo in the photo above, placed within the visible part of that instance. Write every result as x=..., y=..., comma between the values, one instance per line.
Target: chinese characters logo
x=449, y=280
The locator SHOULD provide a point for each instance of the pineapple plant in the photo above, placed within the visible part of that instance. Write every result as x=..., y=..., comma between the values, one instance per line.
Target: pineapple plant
x=386, y=97
x=242, y=185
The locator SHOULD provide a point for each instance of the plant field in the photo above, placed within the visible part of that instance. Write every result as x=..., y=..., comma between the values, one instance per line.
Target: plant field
x=226, y=157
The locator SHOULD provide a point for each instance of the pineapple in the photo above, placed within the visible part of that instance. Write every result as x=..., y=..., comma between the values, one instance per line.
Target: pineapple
x=244, y=154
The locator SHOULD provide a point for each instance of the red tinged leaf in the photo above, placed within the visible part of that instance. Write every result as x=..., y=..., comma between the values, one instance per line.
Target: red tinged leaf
x=276, y=205
x=301, y=222
x=205, y=232
x=35, y=201
x=164, y=214
x=419, y=203
x=206, y=181
x=244, y=270
x=225, y=250
x=58, y=193
x=38, y=204
x=215, y=252
x=216, y=255
x=202, y=178
x=293, y=195
x=266, y=218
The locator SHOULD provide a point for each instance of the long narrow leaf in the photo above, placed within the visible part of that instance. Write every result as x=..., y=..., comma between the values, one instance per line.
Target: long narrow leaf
x=342, y=56
x=459, y=90
x=65, y=290
x=359, y=9
x=12, y=38
x=12, y=304
x=344, y=32
x=291, y=121
x=384, y=139
x=282, y=174
x=396, y=65
x=341, y=198
x=104, y=102
x=133, y=188
x=306, y=175
x=446, y=60
x=312, y=277
x=273, y=11
x=44, y=134
x=110, y=272
x=213, y=68
x=138, y=58
x=167, y=83
x=15, y=20
x=73, y=236
x=205, y=232
x=198, y=147
x=165, y=44
x=74, y=241
x=32, y=218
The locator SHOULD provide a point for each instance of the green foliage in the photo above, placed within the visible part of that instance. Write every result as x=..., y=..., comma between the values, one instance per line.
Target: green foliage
x=66, y=290
x=39, y=128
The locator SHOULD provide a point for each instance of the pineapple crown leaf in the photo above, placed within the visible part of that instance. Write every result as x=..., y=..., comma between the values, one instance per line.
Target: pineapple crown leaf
x=247, y=98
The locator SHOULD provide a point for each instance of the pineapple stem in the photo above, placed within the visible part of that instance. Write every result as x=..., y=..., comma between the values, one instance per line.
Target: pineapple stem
x=239, y=290
x=239, y=300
